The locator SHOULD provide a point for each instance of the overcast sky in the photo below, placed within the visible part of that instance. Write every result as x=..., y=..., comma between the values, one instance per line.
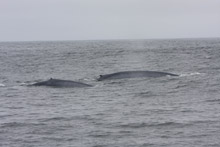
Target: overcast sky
x=36, y=20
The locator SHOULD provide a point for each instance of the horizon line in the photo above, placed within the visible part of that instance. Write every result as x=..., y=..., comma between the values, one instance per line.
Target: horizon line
x=177, y=38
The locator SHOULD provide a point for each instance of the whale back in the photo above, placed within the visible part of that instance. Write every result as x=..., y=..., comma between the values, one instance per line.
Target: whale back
x=61, y=83
x=133, y=74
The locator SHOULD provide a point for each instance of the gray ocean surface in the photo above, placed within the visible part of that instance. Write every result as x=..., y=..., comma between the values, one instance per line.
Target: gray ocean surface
x=179, y=111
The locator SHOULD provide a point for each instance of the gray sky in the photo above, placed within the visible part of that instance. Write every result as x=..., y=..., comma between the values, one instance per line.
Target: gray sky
x=26, y=20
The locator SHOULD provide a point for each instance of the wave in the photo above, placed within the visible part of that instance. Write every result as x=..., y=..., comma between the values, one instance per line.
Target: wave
x=213, y=100
x=142, y=125
x=56, y=119
x=19, y=124
x=2, y=85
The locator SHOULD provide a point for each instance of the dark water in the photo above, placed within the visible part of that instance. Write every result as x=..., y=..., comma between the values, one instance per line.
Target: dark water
x=156, y=112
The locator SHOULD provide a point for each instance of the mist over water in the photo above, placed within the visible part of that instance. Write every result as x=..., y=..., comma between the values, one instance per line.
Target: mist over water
x=168, y=111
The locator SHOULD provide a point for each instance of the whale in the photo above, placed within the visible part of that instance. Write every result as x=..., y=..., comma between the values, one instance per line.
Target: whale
x=133, y=74
x=60, y=83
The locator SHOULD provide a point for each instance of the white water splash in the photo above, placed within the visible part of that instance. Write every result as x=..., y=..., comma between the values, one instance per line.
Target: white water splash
x=190, y=74
x=2, y=85
x=23, y=84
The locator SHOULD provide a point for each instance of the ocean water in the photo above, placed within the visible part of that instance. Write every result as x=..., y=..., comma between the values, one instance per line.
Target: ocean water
x=179, y=111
